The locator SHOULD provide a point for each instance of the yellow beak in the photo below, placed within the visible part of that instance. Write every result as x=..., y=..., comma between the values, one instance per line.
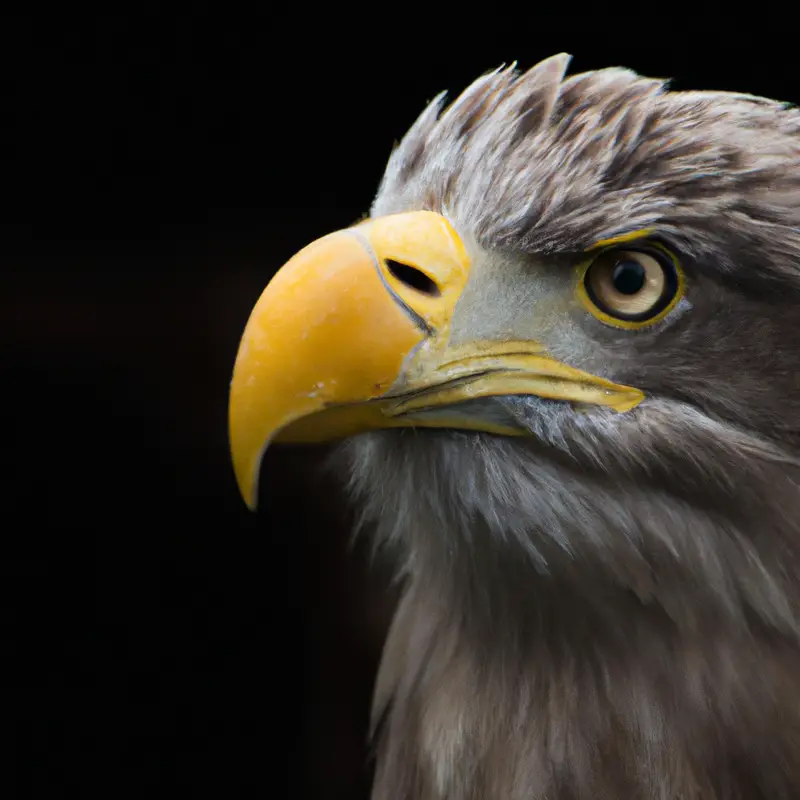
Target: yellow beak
x=352, y=335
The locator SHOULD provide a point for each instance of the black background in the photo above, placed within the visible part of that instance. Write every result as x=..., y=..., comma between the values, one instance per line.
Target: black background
x=156, y=171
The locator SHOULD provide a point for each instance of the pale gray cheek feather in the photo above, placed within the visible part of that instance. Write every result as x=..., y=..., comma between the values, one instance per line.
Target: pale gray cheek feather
x=685, y=511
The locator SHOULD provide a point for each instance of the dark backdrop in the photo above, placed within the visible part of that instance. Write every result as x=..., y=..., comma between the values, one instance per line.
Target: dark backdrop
x=156, y=172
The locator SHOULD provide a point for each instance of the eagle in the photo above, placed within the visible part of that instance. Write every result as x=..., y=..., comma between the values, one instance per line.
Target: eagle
x=559, y=366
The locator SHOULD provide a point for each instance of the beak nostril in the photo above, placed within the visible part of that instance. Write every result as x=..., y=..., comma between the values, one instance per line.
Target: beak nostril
x=413, y=277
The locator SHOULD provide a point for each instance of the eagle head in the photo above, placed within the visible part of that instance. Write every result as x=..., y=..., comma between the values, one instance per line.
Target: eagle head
x=562, y=359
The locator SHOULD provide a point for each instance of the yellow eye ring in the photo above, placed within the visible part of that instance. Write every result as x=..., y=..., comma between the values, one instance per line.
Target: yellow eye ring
x=631, y=287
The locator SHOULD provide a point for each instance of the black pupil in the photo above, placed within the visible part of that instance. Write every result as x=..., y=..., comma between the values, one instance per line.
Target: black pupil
x=628, y=276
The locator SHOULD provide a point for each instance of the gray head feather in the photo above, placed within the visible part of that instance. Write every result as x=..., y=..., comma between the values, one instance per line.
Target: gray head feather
x=564, y=163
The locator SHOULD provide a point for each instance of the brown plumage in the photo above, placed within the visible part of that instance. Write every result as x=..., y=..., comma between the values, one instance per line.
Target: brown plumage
x=607, y=608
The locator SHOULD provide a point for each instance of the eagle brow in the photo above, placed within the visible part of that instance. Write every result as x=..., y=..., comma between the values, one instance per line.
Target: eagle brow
x=621, y=239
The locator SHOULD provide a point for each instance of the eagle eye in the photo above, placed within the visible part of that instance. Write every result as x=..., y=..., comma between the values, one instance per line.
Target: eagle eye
x=631, y=288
